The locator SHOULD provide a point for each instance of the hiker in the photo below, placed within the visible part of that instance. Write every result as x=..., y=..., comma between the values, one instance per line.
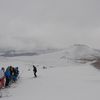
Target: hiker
x=8, y=76
x=34, y=70
x=11, y=75
x=16, y=73
x=12, y=71
x=2, y=78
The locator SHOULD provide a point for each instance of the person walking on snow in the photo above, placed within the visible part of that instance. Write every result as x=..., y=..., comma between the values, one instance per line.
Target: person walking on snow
x=35, y=71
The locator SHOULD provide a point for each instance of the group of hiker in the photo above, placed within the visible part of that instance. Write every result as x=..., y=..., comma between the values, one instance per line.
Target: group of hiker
x=8, y=76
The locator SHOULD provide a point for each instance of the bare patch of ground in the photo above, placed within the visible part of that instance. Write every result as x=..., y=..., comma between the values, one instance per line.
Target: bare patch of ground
x=96, y=64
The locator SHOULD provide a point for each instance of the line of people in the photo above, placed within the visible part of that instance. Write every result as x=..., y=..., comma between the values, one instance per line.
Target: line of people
x=8, y=76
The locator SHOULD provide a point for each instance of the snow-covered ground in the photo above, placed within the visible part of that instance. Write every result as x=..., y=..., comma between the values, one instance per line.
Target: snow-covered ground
x=60, y=81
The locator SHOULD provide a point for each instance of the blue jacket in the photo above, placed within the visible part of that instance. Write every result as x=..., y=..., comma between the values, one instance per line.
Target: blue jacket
x=8, y=74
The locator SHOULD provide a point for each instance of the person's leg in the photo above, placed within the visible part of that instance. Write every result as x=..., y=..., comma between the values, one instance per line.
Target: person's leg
x=7, y=82
x=2, y=81
x=35, y=74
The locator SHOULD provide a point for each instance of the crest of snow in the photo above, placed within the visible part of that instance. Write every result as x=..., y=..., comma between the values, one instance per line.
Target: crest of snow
x=79, y=51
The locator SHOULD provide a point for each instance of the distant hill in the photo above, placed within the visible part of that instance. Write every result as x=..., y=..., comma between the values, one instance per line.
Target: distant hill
x=82, y=53
x=13, y=53
x=75, y=53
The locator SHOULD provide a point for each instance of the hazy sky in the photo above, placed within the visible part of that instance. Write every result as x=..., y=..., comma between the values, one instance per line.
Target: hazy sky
x=26, y=24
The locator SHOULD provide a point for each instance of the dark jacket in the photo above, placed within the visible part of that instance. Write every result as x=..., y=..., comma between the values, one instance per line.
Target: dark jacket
x=34, y=69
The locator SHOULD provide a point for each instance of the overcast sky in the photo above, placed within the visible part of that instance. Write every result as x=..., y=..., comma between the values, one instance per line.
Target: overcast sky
x=27, y=24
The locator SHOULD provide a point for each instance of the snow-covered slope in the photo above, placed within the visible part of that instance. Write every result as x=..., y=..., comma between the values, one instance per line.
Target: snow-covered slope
x=65, y=82
x=75, y=53
x=49, y=59
x=71, y=54
x=81, y=52
x=57, y=79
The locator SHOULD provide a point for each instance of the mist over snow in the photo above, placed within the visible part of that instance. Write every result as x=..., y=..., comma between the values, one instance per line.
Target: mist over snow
x=29, y=24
